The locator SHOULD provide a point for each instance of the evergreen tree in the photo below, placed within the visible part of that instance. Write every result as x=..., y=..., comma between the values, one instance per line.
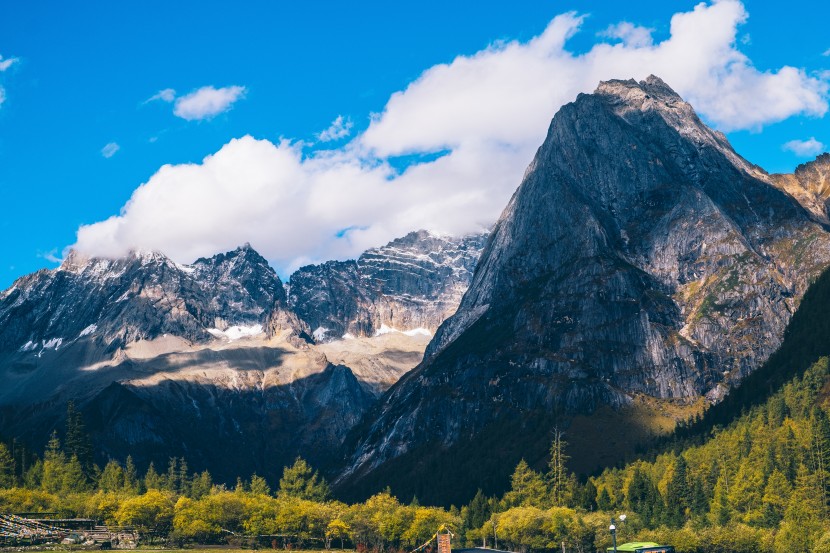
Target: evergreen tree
x=820, y=452
x=152, y=479
x=74, y=479
x=201, y=486
x=643, y=497
x=558, y=477
x=604, y=500
x=776, y=497
x=7, y=478
x=112, y=478
x=171, y=480
x=527, y=488
x=699, y=502
x=585, y=496
x=259, y=486
x=183, y=478
x=677, y=495
x=803, y=519
x=78, y=442
x=33, y=477
x=719, y=509
x=777, y=411
x=300, y=481
x=54, y=466
x=131, y=483
x=478, y=511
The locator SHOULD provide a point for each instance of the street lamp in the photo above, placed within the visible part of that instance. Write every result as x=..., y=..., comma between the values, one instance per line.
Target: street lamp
x=613, y=530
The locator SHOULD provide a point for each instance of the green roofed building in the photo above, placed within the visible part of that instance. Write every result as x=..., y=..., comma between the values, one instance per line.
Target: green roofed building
x=642, y=547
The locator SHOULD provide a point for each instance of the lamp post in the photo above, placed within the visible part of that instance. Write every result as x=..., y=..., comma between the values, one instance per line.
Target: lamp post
x=613, y=530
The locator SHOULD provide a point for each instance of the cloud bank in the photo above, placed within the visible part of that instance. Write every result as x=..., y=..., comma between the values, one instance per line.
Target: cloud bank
x=471, y=126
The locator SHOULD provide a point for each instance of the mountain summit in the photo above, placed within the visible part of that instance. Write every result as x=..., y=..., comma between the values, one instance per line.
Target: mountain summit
x=641, y=259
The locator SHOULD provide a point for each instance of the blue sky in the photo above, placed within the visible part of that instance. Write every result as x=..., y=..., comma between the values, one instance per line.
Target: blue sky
x=82, y=76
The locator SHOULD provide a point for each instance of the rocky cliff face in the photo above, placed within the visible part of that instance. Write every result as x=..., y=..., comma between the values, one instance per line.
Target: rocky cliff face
x=412, y=283
x=640, y=257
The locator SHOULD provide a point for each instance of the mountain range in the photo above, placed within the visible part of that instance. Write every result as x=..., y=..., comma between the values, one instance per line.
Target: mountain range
x=641, y=270
x=179, y=360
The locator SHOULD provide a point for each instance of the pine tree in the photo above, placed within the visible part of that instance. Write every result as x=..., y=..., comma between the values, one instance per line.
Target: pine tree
x=820, y=452
x=7, y=479
x=171, y=480
x=54, y=466
x=604, y=500
x=131, y=483
x=804, y=515
x=299, y=481
x=527, y=488
x=74, y=479
x=677, y=495
x=182, y=478
x=586, y=496
x=720, y=510
x=643, y=497
x=259, y=486
x=201, y=486
x=776, y=497
x=152, y=479
x=78, y=442
x=478, y=512
x=557, y=475
x=112, y=478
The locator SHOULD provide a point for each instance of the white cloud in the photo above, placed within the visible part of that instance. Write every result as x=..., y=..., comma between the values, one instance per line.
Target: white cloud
x=805, y=148
x=630, y=34
x=51, y=256
x=826, y=52
x=6, y=63
x=478, y=120
x=166, y=95
x=339, y=128
x=207, y=102
x=110, y=149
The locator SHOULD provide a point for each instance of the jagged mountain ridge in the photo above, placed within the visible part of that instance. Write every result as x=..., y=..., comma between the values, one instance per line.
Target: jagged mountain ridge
x=142, y=296
x=640, y=256
x=414, y=282
x=164, y=359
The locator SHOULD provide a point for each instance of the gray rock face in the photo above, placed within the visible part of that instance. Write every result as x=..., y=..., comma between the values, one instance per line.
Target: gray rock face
x=640, y=255
x=413, y=282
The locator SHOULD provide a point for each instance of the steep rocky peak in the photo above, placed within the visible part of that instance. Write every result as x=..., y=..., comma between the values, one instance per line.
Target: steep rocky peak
x=243, y=254
x=809, y=184
x=639, y=102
